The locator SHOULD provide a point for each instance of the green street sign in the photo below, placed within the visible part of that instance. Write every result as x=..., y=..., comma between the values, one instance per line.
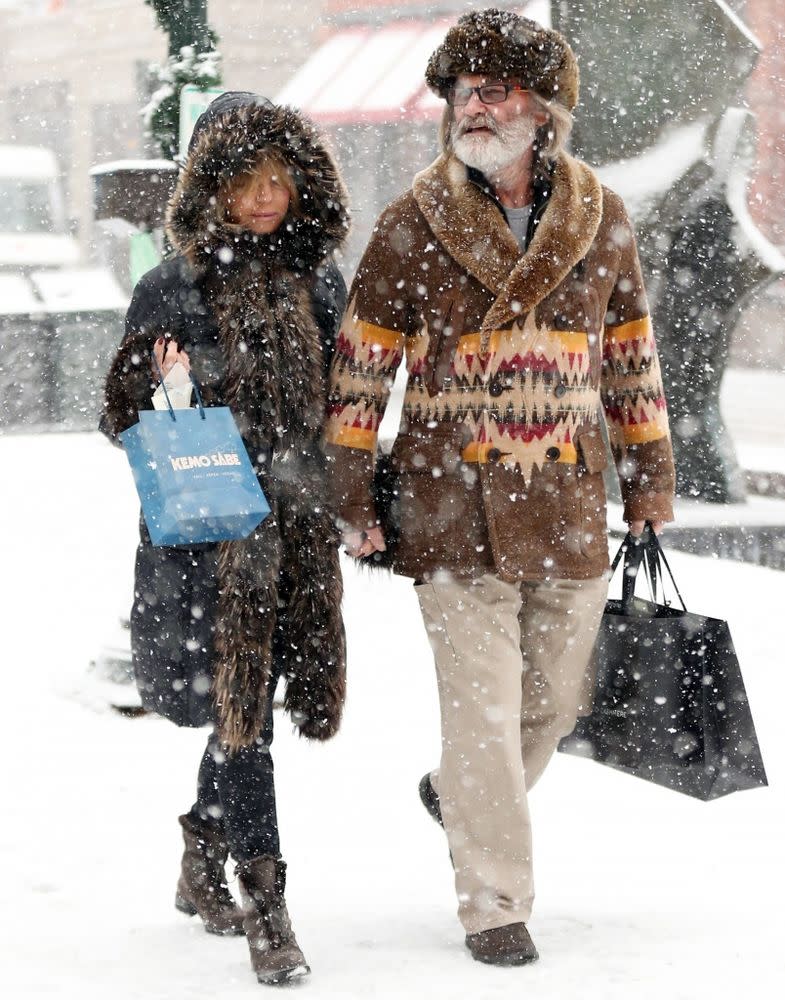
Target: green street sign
x=143, y=255
x=193, y=101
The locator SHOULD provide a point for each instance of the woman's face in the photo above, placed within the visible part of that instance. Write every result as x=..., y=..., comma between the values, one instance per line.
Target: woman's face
x=259, y=202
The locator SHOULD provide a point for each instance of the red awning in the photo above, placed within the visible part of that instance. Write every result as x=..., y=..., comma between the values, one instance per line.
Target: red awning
x=370, y=74
x=367, y=74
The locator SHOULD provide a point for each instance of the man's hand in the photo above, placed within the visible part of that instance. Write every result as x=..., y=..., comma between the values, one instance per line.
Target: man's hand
x=636, y=527
x=364, y=543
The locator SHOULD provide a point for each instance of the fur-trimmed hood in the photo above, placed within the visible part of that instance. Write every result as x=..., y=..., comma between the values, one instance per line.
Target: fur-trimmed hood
x=228, y=144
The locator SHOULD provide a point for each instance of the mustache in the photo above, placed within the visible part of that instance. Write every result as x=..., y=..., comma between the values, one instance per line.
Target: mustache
x=484, y=120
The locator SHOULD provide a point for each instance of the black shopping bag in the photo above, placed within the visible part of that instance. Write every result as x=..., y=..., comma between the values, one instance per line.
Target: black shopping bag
x=669, y=704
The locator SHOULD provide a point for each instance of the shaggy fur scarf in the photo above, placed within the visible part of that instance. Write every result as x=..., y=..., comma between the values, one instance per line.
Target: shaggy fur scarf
x=279, y=589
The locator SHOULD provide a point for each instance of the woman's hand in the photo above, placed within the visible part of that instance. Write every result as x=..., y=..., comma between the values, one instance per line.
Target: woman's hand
x=167, y=356
x=364, y=543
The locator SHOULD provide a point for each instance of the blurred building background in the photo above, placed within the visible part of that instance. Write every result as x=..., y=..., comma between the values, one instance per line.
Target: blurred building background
x=74, y=73
x=73, y=78
x=760, y=338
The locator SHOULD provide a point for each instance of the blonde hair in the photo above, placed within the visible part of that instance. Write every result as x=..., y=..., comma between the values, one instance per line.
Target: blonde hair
x=266, y=165
x=551, y=137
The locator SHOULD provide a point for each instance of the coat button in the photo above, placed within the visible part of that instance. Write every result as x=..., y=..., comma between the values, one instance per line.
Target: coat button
x=495, y=388
x=560, y=390
x=494, y=454
x=552, y=453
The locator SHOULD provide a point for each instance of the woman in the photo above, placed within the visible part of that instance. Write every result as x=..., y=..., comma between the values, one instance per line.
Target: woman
x=251, y=304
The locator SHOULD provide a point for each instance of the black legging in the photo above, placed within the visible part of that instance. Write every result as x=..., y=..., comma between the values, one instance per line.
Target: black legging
x=238, y=790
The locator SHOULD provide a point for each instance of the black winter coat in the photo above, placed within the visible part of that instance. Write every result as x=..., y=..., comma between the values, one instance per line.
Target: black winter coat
x=175, y=589
x=212, y=623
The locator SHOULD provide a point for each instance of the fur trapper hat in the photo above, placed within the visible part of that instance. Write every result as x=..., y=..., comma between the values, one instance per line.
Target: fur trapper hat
x=504, y=45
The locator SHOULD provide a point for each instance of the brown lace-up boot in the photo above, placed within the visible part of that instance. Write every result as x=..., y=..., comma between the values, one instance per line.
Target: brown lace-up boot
x=275, y=954
x=202, y=885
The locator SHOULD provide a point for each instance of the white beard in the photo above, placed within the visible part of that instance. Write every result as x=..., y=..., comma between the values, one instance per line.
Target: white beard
x=492, y=154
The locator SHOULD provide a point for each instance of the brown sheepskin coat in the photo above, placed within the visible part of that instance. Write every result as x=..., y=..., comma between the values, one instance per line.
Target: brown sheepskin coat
x=248, y=324
x=514, y=361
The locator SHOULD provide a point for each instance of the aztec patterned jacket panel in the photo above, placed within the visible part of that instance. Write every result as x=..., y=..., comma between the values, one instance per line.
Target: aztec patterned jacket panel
x=513, y=360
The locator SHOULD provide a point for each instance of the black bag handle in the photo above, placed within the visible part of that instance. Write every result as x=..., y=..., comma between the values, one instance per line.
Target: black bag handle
x=633, y=550
x=657, y=553
x=644, y=549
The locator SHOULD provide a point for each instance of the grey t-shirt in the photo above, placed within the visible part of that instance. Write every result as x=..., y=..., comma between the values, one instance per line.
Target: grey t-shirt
x=518, y=221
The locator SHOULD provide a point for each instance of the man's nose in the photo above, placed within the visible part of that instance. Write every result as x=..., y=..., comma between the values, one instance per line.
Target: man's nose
x=474, y=105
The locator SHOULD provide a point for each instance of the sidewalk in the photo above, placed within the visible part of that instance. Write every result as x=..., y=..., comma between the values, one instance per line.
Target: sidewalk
x=635, y=883
x=753, y=405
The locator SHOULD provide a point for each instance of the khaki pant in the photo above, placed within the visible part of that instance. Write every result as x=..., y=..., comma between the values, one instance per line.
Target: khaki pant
x=511, y=665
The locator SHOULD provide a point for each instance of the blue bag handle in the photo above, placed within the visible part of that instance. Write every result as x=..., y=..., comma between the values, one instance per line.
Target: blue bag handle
x=194, y=383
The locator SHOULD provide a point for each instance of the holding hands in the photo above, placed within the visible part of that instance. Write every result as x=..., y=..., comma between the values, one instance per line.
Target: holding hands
x=364, y=543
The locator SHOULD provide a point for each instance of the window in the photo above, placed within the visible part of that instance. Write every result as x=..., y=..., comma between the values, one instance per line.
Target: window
x=25, y=206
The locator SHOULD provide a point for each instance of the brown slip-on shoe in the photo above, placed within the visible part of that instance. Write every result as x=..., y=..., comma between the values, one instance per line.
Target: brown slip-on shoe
x=508, y=945
x=430, y=799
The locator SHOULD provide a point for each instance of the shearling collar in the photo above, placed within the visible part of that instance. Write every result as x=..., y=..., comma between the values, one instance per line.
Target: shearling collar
x=474, y=232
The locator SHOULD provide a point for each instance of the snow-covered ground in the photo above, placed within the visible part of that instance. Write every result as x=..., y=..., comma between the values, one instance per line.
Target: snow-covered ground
x=753, y=407
x=642, y=893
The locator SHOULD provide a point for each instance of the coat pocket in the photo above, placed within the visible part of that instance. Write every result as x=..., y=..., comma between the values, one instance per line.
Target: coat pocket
x=441, y=515
x=435, y=450
x=592, y=453
x=592, y=461
x=445, y=329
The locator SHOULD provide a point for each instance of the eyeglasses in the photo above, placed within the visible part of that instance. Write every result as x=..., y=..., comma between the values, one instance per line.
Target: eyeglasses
x=489, y=93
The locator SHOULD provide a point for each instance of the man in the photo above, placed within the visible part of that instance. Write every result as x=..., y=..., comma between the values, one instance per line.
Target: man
x=509, y=279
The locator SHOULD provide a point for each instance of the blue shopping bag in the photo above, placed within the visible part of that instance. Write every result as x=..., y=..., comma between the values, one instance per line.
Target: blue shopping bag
x=193, y=475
